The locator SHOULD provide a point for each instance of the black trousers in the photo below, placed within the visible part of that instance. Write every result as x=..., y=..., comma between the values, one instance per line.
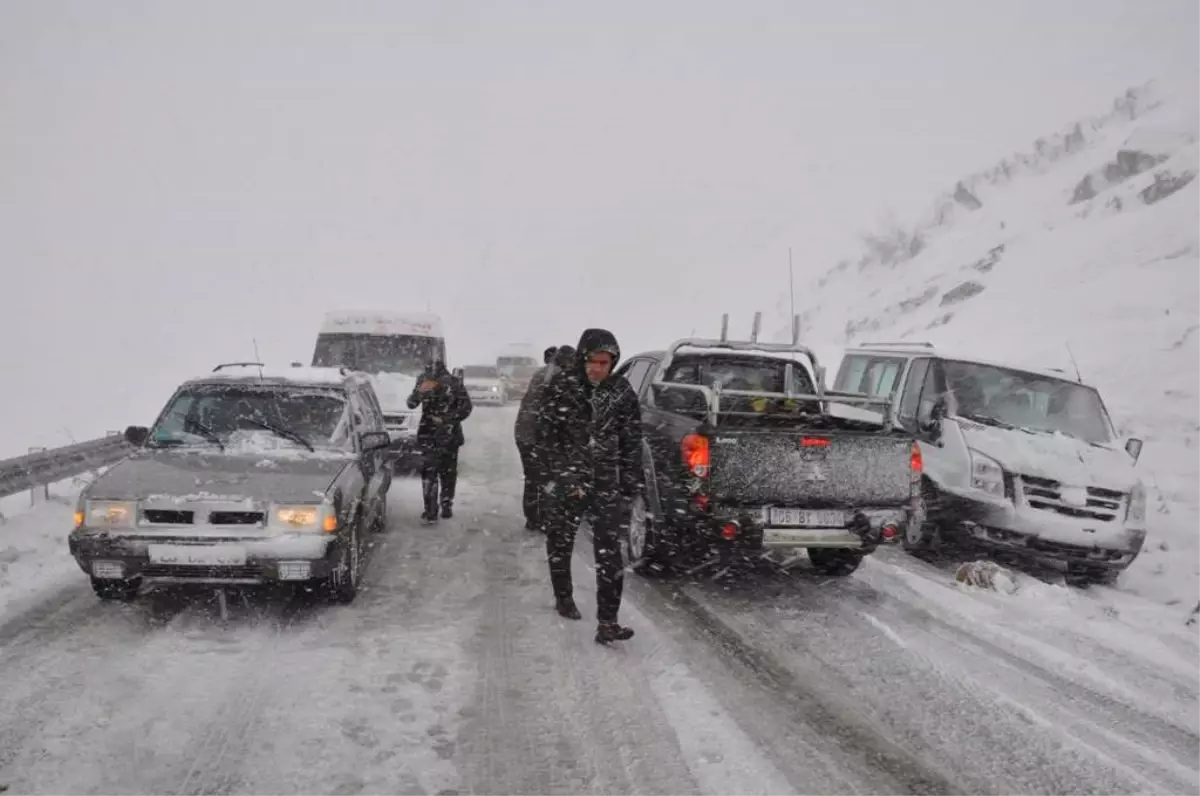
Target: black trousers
x=563, y=513
x=531, y=498
x=439, y=476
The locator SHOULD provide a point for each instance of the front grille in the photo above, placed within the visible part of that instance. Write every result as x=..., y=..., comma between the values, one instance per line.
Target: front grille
x=235, y=518
x=1046, y=494
x=168, y=517
x=200, y=573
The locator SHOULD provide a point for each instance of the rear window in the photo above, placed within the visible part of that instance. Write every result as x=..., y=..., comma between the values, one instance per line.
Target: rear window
x=758, y=374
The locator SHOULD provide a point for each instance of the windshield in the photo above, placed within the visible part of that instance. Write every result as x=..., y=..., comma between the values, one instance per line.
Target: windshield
x=377, y=354
x=995, y=395
x=480, y=372
x=215, y=414
x=519, y=367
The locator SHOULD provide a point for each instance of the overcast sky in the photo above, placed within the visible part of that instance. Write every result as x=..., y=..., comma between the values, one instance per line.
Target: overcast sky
x=179, y=179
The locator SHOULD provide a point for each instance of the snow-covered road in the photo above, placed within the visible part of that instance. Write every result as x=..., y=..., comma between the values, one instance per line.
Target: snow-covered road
x=452, y=674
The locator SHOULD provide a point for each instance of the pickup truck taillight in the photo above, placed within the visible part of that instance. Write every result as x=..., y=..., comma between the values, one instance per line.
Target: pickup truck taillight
x=916, y=464
x=694, y=449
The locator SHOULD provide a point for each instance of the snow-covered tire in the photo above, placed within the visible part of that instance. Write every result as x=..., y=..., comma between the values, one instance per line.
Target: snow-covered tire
x=342, y=585
x=838, y=563
x=121, y=590
x=379, y=525
x=641, y=539
x=920, y=537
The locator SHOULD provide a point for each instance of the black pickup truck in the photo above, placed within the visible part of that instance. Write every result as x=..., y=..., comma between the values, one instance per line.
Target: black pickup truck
x=745, y=452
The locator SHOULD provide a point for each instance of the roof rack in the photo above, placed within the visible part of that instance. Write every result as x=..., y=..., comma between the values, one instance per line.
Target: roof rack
x=897, y=344
x=237, y=365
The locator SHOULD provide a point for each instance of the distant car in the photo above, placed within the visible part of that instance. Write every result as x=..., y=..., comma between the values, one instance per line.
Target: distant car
x=485, y=385
x=249, y=476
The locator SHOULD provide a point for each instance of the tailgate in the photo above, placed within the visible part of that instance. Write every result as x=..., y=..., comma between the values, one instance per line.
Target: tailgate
x=791, y=468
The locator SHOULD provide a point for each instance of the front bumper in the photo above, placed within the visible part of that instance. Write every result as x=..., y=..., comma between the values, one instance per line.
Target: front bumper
x=276, y=559
x=1026, y=532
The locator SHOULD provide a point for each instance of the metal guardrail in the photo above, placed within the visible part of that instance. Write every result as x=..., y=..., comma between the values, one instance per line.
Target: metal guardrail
x=44, y=467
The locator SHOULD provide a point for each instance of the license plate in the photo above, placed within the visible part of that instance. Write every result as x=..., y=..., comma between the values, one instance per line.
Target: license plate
x=806, y=518
x=182, y=555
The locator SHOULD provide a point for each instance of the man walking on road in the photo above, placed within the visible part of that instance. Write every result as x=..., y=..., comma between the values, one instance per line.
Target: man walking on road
x=526, y=434
x=590, y=441
x=444, y=406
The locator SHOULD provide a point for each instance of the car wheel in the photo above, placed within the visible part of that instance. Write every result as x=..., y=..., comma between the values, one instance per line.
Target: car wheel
x=121, y=590
x=838, y=563
x=920, y=534
x=343, y=583
x=640, y=539
x=380, y=523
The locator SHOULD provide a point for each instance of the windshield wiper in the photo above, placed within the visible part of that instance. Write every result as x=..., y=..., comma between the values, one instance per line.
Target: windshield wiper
x=986, y=420
x=283, y=432
x=205, y=432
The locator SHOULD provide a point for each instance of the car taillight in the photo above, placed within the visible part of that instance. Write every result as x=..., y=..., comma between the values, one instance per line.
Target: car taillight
x=814, y=442
x=916, y=463
x=695, y=454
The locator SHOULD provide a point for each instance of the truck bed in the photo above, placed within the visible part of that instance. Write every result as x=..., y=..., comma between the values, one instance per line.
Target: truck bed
x=809, y=468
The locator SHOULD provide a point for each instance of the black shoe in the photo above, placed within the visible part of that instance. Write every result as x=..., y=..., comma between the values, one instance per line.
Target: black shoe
x=429, y=517
x=567, y=609
x=530, y=525
x=447, y=513
x=610, y=631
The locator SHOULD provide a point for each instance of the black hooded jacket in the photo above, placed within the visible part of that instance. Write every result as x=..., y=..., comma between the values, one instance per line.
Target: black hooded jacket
x=525, y=429
x=591, y=435
x=448, y=401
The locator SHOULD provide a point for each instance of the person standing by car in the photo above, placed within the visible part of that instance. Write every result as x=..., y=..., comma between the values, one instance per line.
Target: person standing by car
x=526, y=435
x=590, y=442
x=444, y=406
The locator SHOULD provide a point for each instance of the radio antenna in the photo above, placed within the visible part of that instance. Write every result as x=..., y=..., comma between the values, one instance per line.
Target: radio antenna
x=1074, y=364
x=257, y=359
x=791, y=283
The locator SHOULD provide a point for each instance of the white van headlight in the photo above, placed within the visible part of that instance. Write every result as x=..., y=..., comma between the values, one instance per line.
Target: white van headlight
x=1135, y=514
x=986, y=474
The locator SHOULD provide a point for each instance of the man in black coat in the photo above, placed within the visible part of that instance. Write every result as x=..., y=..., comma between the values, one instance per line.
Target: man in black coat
x=444, y=406
x=526, y=434
x=590, y=442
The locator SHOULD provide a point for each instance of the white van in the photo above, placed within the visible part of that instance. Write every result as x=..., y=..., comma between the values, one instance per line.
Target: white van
x=393, y=347
x=1024, y=463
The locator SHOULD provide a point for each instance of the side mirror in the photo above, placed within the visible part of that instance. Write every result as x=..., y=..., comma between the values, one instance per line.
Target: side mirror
x=373, y=441
x=932, y=424
x=1133, y=446
x=137, y=435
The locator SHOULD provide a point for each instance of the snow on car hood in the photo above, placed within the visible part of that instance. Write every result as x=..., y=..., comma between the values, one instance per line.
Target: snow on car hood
x=393, y=390
x=284, y=479
x=1055, y=456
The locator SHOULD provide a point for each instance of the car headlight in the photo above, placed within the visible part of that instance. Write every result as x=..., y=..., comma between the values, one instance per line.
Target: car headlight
x=107, y=514
x=986, y=474
x=316, y=517
x=1136, y=511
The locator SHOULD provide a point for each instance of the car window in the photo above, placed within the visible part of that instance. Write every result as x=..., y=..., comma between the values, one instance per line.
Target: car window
x=907, y=411
x=870, y=375
x=205, y=413
x=639, y=369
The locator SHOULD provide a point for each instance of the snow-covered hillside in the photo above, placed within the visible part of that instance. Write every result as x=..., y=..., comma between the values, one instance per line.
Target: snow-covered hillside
x=1090, y=241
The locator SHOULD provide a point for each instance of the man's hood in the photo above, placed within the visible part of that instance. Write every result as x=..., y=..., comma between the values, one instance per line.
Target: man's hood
x=1056, y=456
x=291, y=478
x=594, y=340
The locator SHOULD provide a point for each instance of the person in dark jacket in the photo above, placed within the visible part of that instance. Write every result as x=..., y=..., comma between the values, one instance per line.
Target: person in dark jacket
x=444, y=406
x=590, y=442
x=526, y=434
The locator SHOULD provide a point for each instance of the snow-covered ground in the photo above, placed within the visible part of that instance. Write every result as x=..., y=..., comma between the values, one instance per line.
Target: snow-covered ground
x=1088, y=241
x=34, y=560
x=452, y=673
